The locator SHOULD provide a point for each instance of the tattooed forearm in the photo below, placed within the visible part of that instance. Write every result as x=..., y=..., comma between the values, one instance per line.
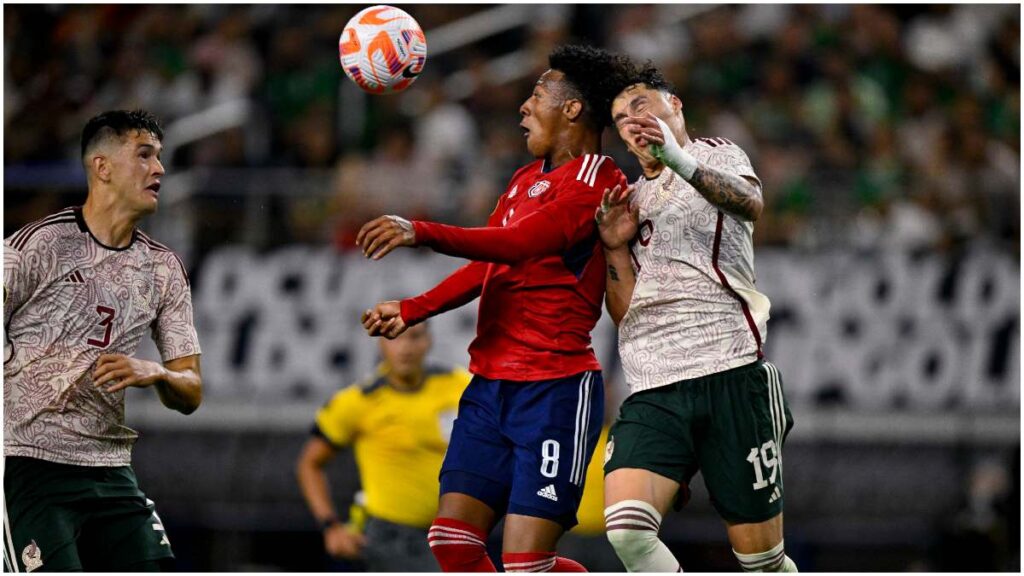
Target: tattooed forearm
x=729, y=192
x=613, y=273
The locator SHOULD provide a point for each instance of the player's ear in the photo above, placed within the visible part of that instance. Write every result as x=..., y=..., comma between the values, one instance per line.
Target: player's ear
x=573, y=109
x=677, y=104
x=100, y=165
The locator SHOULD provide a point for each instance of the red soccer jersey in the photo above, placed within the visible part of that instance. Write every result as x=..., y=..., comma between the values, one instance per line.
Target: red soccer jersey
x=538, y=268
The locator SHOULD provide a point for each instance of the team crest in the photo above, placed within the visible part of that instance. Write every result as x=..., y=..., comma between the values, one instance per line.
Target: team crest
x=32, y=556
x=538, y=188
x=609, y=449
x=512, y=194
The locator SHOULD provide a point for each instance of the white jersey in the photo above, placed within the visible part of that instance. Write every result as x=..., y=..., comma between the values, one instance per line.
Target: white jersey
x=695, y=310
x=67, y=300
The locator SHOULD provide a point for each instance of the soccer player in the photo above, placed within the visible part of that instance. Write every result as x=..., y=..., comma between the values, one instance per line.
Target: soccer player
x=398, y=423
x=81, y=289
x=530, y=418
x=691, y=330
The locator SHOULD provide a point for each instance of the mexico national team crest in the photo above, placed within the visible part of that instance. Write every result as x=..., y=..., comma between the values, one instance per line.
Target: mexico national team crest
x=538, y=188
x=32, y=556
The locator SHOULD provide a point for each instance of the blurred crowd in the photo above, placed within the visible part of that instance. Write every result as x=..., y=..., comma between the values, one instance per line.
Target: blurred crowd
x=870, y=125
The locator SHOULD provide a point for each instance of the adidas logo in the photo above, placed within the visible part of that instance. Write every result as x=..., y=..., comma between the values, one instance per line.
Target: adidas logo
x=75, y=278
x=548, y=492
x=776, y=494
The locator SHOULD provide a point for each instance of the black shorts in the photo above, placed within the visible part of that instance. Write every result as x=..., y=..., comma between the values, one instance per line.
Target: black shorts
x=68, y=518
x=730, y=426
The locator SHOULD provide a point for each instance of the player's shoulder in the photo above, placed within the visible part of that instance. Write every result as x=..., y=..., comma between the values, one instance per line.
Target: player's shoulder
x=369, y=385
x=531, y=168
x=44, y=230
x=720, y=152
x=161, y=252
x=594, y=171
x=718, y=144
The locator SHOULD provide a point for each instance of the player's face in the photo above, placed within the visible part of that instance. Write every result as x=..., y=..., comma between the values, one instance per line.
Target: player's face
x=135, y=171
x=543, y=119
x=639, y=100
x=405, y=354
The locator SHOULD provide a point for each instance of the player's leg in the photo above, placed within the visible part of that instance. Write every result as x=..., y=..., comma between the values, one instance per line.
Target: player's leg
x=555, y=425
x=636, y=500
x=741, y=460
x=474, y=482
x=759, y=546
x=649, y=461
x=39, y=529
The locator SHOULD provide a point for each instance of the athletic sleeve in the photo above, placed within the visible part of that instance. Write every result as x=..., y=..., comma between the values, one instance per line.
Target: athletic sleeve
x=173, y=329
x=19, y=280
x=338, y=420
x=460, y=288
x=565, y=220
x=731, y=158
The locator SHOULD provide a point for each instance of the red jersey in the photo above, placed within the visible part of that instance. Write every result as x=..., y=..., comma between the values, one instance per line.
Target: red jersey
x=538, y=268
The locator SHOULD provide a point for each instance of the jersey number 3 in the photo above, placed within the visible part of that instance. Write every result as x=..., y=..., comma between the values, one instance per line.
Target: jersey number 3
x=107, y=322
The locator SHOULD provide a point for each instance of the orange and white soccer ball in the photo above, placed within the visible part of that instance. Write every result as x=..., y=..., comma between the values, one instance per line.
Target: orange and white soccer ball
x=382, y=49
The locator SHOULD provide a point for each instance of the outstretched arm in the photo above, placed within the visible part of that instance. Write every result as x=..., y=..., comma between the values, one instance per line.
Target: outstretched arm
x=537, y=234
x=391, y=318
x=731, y=193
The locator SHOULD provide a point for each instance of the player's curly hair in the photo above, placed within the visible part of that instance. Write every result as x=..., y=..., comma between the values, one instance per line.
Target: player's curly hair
x=587, y=70
x=625, y=73
x=118, y=123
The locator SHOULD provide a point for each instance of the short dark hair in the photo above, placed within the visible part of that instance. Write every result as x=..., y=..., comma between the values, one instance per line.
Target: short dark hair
x=626, y=73
x=587, y=70
x=118, y=123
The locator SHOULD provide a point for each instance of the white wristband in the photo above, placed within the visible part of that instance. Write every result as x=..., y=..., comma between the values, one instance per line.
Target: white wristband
x=678, y=160
x=672, y=154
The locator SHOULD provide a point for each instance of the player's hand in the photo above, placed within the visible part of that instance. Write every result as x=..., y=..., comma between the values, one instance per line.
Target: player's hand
x=647, y=129
x=382, y=235
x=342, y=542
x=385, y=319
x=115, y=372
x=617, y=218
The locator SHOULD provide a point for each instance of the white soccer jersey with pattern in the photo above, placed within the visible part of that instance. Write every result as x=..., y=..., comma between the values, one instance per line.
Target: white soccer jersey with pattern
x=695, y=310
x=67, y=300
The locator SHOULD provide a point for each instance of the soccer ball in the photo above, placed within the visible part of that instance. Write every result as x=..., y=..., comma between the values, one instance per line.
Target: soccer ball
x=382, y=49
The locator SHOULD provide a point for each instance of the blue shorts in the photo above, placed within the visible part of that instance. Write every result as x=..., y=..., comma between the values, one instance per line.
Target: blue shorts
x=523, y=447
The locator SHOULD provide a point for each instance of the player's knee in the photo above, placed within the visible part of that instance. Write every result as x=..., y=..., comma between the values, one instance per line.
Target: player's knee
x=774, y=560
x=458, y=546
x=632, y=528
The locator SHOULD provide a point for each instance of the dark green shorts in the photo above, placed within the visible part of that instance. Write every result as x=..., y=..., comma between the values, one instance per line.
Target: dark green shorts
x=730, y=426
x=65, y=517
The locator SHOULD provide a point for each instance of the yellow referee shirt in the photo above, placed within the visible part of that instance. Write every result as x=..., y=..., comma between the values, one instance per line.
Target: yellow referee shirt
x=399, y=439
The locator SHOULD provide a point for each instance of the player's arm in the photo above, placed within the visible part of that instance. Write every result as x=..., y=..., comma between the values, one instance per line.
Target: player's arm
x=20, y=281
x=178, y=382
x=391, y=318
x=309, y=471
x=335, y=428
x=617, y=222
x=538, y=234
x=732, y=193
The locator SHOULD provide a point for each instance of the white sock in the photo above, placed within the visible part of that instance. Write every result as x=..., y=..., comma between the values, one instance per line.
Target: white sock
x=632, y=527
x=774, y=560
